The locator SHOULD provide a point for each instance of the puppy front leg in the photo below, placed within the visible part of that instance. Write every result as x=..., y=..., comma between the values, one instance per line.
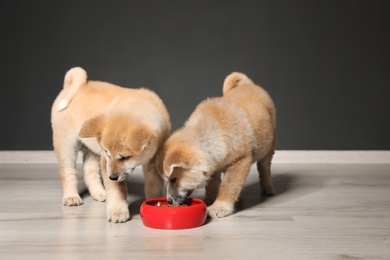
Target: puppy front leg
x=212, y=188
x=116, y=192
x=154, y=184
x=230, y=188
x=91, y=167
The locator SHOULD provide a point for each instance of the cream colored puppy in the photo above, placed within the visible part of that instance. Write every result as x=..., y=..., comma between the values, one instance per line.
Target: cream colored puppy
x=223, y=135
x=126, y=126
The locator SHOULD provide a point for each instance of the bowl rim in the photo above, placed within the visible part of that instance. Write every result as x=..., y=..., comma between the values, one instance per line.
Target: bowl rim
x=199, y=203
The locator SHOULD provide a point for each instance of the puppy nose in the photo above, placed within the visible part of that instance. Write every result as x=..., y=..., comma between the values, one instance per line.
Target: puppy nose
x=170, y=201
x=113, y=178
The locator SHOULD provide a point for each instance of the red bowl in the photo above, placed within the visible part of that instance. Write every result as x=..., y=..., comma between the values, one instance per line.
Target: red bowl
x=164, y=217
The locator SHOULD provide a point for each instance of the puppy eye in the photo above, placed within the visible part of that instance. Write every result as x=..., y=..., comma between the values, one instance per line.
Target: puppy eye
x=172, y=181
x=124, y=158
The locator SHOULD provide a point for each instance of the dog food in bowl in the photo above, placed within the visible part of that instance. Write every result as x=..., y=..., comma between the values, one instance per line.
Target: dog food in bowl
x=159, y=204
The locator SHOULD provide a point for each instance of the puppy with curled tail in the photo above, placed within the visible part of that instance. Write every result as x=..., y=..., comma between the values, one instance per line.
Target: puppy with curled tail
x=117, y=129
x=223, y=135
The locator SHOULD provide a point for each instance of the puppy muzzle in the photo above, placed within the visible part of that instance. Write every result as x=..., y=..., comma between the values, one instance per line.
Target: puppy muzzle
x=178, y=199
x=120, y=177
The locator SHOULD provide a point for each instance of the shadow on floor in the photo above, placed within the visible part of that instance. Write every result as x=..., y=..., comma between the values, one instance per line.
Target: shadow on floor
x=251, y=196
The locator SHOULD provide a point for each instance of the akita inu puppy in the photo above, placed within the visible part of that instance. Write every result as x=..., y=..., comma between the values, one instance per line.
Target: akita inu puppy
x=223, y=135
x=127, y=126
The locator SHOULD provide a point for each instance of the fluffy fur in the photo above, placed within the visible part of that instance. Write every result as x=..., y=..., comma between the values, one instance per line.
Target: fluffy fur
x=223, y=135
x=126, y=126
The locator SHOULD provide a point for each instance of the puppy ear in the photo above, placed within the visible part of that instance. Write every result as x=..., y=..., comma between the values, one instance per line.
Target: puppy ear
x=157, y=162
x=168, y=170
x=182, y=157
x=139, y=138
x=92, y=127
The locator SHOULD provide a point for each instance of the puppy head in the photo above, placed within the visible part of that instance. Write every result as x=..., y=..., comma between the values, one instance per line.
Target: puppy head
x=182, y=169
x=125, y=144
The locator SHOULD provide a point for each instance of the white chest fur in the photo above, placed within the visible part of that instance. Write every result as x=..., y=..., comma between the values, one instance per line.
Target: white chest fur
x=92, y=144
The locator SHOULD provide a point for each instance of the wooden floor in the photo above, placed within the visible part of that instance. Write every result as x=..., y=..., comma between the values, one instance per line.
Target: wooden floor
x=321, y=211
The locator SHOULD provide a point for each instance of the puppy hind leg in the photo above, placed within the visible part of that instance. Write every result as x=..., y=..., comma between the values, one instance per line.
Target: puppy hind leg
x=69, y=180
x=212, y=188
x=91, y=168
x=154, y=184
x=67, y=156
x=230, y=188
x=264, y=169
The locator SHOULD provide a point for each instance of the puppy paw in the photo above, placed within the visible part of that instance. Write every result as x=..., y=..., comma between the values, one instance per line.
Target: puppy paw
x=267, y=190
x=118, y=215
x=220, y=209
x=72, y=201
x=99, y=196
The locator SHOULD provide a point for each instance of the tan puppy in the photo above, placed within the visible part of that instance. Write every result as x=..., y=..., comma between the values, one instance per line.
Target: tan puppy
x=226, y=134
x=126, y=125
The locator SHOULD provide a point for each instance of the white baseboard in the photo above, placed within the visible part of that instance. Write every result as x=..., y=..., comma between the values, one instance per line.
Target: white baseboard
x=378, y=157
x=281, y=156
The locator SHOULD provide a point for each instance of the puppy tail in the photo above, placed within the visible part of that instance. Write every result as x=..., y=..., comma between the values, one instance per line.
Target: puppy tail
x=235, y=79
x=74, y=79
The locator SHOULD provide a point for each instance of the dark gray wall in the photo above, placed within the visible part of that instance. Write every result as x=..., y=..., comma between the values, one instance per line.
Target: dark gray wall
x=326, y=63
